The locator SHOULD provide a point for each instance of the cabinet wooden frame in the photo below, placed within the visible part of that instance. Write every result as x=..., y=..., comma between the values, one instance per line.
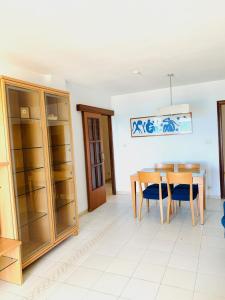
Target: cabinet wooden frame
x=8, y=212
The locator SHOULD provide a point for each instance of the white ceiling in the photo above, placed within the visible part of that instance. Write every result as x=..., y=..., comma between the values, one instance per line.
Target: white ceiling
x=99, y=42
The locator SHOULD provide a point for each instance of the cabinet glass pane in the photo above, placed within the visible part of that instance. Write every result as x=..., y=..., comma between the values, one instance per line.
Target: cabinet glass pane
x=57, y=110
x=26, y=136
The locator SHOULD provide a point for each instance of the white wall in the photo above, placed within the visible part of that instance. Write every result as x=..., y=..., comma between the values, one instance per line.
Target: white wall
x=83, y=95
x=17, y=72
x=132, y=154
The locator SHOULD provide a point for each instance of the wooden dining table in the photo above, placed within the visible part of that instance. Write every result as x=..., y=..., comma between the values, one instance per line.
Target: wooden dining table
x=198, y=178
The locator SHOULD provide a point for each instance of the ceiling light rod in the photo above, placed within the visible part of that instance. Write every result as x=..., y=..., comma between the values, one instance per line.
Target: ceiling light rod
x=171, y=95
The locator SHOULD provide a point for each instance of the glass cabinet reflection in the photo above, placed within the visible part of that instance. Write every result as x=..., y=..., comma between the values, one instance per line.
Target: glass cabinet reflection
x=28, y=163
x=58, y=124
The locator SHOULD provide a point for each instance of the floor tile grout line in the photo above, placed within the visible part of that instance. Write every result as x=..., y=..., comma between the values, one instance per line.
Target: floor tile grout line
x=197, y=269
x=160, y=284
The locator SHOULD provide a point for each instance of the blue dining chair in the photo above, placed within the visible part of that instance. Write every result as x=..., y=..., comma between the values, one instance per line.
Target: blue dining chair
x=223, y=218
x=155, y=191
x=189, y=193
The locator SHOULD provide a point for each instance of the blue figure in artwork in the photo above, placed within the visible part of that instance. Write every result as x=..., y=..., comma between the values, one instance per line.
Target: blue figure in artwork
x=169, y=125
x=143, y=126
x=150, y=127
x=136, y=126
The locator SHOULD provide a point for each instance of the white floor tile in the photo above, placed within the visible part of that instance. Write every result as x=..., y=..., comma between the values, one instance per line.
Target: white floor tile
x=206, y=296
x=212, y=265
x=92, y=295
x=99, y=262
x=111, y=284
x=156, y=257
x=211, y=241
x=66, y=291
x=183, y=248
x=133, y=254
x=161, y=245
x=173, y=293
x=179, y=278
x=185, y=262
x=140, y=289
x=149, y=272
x=122, y=267
x=210, y=284
x=9, y=296
x=84, y=277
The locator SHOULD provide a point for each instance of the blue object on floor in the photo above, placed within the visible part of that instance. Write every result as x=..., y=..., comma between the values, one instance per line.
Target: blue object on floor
x=223, y=218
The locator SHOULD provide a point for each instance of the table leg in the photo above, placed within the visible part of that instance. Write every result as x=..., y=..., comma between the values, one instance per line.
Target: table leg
x=134, y=197
x=204, y=193
x=201, y=188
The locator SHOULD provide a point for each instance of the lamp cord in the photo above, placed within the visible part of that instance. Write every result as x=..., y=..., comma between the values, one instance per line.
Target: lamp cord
x=171, y=94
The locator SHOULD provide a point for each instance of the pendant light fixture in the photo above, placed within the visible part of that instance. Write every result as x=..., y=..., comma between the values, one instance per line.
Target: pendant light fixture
x=174, y=109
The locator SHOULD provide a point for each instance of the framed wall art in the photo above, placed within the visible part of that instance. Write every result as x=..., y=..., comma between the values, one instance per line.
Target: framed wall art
x=161, y=125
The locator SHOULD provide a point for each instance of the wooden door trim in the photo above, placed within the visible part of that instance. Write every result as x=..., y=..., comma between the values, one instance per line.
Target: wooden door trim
x=220, y=140
x=109, y=113
x=111, y=149
x=93, y=109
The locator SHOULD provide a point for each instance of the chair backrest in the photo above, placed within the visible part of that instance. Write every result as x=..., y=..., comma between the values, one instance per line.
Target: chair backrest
x=189, y=167
x=162, y=166
x=149, y=177
x=179, y=178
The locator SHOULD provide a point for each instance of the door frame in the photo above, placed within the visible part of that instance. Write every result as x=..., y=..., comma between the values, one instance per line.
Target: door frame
x=221, y=148
x=104, y=112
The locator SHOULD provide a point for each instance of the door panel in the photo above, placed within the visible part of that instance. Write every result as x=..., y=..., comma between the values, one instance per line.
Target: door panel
x=94, y=160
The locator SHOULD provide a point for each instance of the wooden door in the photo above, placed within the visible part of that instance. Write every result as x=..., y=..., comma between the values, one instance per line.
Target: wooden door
x=94, y=160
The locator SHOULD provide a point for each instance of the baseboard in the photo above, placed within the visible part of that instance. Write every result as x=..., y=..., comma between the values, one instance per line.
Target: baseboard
x=123, y=193
x=82, y=213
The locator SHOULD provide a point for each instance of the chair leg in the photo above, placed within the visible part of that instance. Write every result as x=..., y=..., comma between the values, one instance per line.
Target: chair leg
x=179, y=203
x=161, y=210
x=168, y=210
x=175, y=206
x=148, y=204
x=192, y=213
x=197, y=204
x=140, y=208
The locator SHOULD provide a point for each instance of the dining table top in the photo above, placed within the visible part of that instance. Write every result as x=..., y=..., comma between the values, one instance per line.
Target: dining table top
x=195, y=173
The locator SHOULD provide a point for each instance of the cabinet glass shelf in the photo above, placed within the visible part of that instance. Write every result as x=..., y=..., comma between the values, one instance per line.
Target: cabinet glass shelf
x=30, y=191
x=61, y=163
x=27, y=170
x=6, y=261
x=62, y=202
x=30, y=217
x=25, y=119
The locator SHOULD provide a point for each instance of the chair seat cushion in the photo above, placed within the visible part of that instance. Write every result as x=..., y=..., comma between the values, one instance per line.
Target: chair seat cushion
x=186, y=186
x=152, y=191
x=184, y=194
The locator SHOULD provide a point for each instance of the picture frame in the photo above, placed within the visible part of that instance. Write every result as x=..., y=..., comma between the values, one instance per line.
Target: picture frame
x=173, y=124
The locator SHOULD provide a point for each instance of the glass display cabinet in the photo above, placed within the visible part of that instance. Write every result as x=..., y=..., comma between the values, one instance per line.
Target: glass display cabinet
x=36, y=125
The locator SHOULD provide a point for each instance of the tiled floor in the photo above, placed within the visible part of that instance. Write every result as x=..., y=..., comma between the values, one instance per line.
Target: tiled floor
x=117, y=257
